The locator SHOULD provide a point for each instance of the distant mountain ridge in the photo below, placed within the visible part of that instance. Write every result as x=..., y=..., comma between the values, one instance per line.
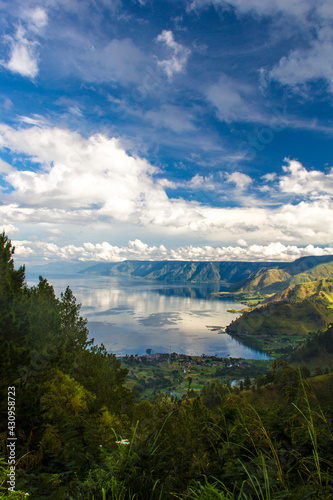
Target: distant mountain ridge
x=225, y=272
x=262, y=277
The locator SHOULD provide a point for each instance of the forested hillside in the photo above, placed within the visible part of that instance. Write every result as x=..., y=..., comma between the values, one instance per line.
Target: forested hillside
x=197, y=272
x=82, y=435
x=284, y=320
x=316, y=352
x=69, y=392
x=246, y=277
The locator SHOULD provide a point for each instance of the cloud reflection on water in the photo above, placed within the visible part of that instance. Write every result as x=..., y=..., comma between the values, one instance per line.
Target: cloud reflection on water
x=130, y=316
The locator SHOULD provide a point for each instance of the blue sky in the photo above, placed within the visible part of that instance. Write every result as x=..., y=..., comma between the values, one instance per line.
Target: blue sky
x=166, y=129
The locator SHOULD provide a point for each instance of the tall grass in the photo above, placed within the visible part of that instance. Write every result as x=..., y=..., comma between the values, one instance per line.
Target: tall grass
x=315, y=423
x=243, y=457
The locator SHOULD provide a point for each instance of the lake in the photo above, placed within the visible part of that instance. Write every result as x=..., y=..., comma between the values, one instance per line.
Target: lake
x=130, y=316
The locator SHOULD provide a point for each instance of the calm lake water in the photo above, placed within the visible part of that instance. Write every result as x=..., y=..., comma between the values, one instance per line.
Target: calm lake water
x=130, y=316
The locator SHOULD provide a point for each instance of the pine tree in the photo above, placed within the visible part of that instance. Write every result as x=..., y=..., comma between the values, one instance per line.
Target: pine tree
x=247, y=383
x=11, y=288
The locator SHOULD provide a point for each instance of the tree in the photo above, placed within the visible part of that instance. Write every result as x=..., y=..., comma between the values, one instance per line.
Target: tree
x=71, y=393
x=11, y=280
x=11, y=288
x=73, y=330
x=247, y=383
x=12, y=325
x=101, y=373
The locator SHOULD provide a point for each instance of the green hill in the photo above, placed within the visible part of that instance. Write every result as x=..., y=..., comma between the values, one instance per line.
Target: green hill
x=266, y=281
x=321, y=290
x=324, y=270
x=280, y=325
x=273, y=280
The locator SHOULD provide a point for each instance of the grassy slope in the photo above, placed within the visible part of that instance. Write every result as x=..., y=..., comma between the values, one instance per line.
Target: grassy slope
x=287, y=318
x=267, y=281
x=316, y=290
x=324, y=270
x=278, y=327
x=301, y=271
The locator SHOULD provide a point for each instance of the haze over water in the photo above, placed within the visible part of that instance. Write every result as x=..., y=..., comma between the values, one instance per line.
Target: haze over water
x=129, y=316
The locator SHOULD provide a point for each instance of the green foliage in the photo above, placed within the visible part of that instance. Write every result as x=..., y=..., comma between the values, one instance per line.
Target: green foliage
x=317, y=291
x=11, y=280
x=11, y=290
x=69, y=393
x=100, y=372
x=209, y=491
x=279, y=327
x=73, y=326
x=317, y=350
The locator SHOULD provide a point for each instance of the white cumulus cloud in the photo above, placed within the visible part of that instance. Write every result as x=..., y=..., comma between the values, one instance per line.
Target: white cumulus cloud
x=9, y=229
x=74, y=175
x=241, y=180
x=73, y=181
x=23, y=54
x=299, y=181
x=179, y=54
x=302, y=66
x=137, y=250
